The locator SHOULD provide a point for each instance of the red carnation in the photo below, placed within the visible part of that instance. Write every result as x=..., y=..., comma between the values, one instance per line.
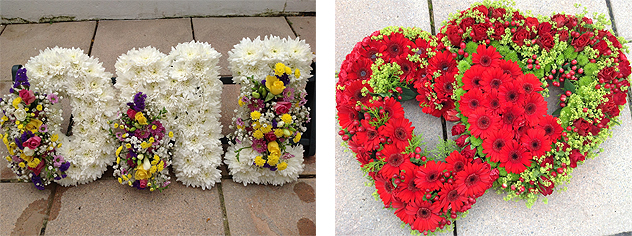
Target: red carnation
x=466, y=23
x=482, y=123
x=468, y=151
x=425, y=215
x=461, y=140
x=482, y=9
x=544, y=28
x=131, y=113
x=458, y=129
x=546, y=41
x=498, y=12
x=400, y=131
x=499, y=31
x=494, y=144
x=536, y=142
x=486, y=56
x=480, y=31
x=472, y=77
x=429, y=175
x=474, y=180
x=515, y=158
x=453, y=35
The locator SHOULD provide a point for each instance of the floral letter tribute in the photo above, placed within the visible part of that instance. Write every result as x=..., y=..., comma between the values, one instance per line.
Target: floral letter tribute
x=30, y=126
x=488, y=69
x=71, y=73
x=271, y=116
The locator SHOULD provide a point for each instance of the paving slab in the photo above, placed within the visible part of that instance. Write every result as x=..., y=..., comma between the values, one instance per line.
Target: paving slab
x=230, y=96
x=300, y=6
x=106, y=207
x=305, y=28
x=357, y=211
x=280, y=210
x=622, y=18
x=20, y=42
x=358, y=19
x=224, y=33
x=23, y=208
x=114, y=38
x=442, y=8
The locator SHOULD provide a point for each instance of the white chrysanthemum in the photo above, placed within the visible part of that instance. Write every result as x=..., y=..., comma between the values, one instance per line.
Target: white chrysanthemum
x=140, y=70
x=82, y=79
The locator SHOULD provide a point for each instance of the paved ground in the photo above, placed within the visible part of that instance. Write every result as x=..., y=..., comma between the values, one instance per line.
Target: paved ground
x=597, y=199
x=104, y=207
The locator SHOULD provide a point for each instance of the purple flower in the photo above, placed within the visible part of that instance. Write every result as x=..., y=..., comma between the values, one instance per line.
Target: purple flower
x=286, y=156
x=166, y=183
x=119, y=135
x=139, y=102
x=142, y=133
x=159, y=132
x=239, y=121
x=37, y=181
x=57, y=162
x=259, y=145
x=255, y=105
x=43, y=128
x=21, y=79
x=288, y=95
x=274, y=123
x=64, y=167
x=53, y=98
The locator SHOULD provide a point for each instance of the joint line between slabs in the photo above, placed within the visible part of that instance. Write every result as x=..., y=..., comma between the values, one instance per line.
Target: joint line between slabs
x=614, y=26
x=224, y=213
x=3, y=28
x=94, y=35
x=290, y=24
x=51, y=199
x=431, y=15
x=192, y=30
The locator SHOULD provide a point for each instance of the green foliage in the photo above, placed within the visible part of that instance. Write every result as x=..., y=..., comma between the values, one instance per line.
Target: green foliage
x=443, y=149
x=470, y=47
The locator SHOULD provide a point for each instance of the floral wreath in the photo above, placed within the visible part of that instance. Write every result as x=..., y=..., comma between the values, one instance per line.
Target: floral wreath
x=71, y=73
x=186, y=83
x=271, y=116
x=491, y=65
x=32, y=145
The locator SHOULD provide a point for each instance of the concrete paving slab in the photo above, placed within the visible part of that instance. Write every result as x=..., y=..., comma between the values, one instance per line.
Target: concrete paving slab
x=224, y=33
x=621, y=11
x=23, y=208
x=596, y=202
x=305, y=28
x=358, y=19
x=442, y=8
x=18, y=43
x=230, y=96
x=300, y=6
x=114, y=38
x=357, y=212
x=261, y=209
x=106, y=207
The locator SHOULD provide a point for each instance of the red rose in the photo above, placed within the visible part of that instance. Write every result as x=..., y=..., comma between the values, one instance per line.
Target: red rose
x=270, y=136
x=576, y=157
x=607, y=74
x=545, y=190
x=571, y=22
x=587, y=20
x=143, y=183
x=614, y=40
x=544, y=28
x=494, y=174
x=499, y=31
x=482, y=9
x=461, y=140
x=546, y=41
x=32, y=142
x=563, y=35
x=547, y=160
x=467, y=22
x=517, y=16
x=131, y=114
x=38, y=168
x=559, y=20
x=282, y=107
x=480, y=31
x=468, y=152
x=498, y=12
x=27, y=96
x=453, y=35
x=520, y=35
x=602, y=47
x=458, y=129
x=624, y=65
x=581, y=42
x=450, y=115
x=619, y=98
x=532, y=21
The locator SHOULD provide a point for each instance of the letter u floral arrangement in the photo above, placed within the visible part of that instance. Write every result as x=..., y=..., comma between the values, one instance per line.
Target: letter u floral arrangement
x=163, y=111
x=487, y=70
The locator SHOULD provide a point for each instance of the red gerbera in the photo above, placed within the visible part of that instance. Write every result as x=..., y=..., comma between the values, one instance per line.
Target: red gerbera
x=401, y=213
x=510, y=92
x=515, y=158
x=391, y=106
x=534, y=108
x=354, y=92
x=486, y=56
x=370, y=49
x=395, y=160
x=407, y=191
x=429, y=175
x=529, y=83
x=512, y=118
x=408, y=68
x=444, y=85
x=385, y=189
x=442, y=62
x=472, y=77
x=360, y=69
x=510, y=68
x=536, y=142
x=482, y=123
x=494, y=144
x=451, y=198
x=493, y=78
x=552, y=129
x=456, y=162
x=395, y=45
x=492, y=101
x=346, y=116
x=471, y=101
x=474, y=180
x=425, y=215
x=372, y=136
x=400, y=131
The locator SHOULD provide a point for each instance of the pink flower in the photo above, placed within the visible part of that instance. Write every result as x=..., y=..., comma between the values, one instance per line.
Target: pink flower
x=53, y=98
x=282, y=107
x=270, y=136
x=32, y=142
x=131, y=114
x=143, y=183
x=27, y=96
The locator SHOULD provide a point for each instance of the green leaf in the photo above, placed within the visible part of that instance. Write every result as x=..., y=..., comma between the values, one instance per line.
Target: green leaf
x=556, y=113
x=476, y=141
x=502, y=171
x=569, y=86
x=408, y=94
x=269, y=97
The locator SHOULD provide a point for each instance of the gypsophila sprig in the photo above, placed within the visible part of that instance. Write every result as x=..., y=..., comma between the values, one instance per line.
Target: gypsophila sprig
x=29, y=134
x=145, y=147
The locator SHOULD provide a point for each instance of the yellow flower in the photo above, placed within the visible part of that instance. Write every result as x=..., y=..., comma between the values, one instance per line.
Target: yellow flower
x=258, y=134
x=282, y=166
x=39, y=107
x=151, y=189
x=287, y=118
x=26, y=158
x=21, y=164
x=34, y=163
x=129, y=183
x=125, y=177
x=297, y=73
x=278, y=132
x=54, y=138
x=259, y=161
x=153, y=169
x=118, y=151
x=156, y=160
x=141, y=118
x=154, y=127
x=273, y=160
x=274, y=85
x=120, y=180
x=256, y=125
x=161, y=166
x=17, y=102
x=273, y=148
x=127, y=145
x=266, y=129
x=279, y=68
x=33, y=125
x=141, y=173
x=288, y=70
x=151, y=140
x=297, y=137
x=170, y=134
x=241, y=103
x=11, y=148
x=21, y=127
x=255, y=115
x=5, y=118
x=9, y=159
x=118, y=160
x=116, y=125
x=58, y=145
x=145, y=145
x=125, y=135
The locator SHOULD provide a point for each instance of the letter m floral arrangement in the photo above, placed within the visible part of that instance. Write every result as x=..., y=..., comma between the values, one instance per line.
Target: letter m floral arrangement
x=271, y=115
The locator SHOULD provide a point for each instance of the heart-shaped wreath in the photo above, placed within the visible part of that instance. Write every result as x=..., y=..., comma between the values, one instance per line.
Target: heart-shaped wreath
x=488, y=69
